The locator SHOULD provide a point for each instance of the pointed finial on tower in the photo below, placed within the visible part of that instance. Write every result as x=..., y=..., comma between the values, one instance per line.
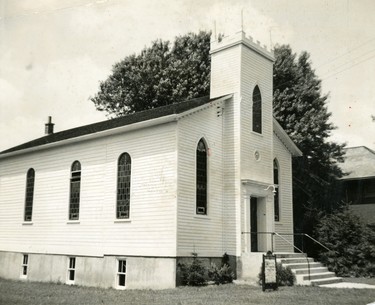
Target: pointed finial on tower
x=242, y=20
x=215, y=34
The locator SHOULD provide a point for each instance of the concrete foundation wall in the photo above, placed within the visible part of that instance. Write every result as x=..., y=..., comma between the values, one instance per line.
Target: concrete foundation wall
x=10, y=265
x=141, y=272
x=248, y=266
x=151, y=273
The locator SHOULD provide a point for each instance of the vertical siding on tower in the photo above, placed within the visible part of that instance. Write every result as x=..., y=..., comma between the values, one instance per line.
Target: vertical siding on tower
x=226, y=79
x=225, y=71
x=256, y=71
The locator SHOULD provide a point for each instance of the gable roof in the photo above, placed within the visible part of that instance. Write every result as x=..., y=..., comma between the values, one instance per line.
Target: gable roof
x=359, y=163
x=111, y=124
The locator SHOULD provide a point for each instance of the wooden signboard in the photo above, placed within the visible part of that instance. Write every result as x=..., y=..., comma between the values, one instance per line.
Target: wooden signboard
x=269, y=272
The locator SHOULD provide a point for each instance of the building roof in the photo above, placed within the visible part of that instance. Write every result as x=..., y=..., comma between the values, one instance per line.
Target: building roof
x=359, y=163
x=113, y=123
x=135, y=119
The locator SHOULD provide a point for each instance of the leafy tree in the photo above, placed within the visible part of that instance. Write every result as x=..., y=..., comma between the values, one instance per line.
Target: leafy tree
x=351, y=243
x=160, y=75
x=301, y=109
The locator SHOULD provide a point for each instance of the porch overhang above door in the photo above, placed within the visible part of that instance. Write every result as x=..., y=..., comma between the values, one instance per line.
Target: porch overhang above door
x=257, y=188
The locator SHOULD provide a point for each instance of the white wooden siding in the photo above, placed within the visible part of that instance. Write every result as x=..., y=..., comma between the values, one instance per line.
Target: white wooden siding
x=225, y=72
x=152, y=227
x=285, y=225
x=256, y=71
x=232, y=180
x=236, y=68
x=199, y=233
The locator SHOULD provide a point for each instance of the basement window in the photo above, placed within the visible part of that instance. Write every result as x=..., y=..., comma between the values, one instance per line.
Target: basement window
x=71, y=270
x=25, y=264
x=121, y=274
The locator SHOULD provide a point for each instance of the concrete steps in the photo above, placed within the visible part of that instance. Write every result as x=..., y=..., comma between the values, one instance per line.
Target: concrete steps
x=307, y=271
x=331, y=280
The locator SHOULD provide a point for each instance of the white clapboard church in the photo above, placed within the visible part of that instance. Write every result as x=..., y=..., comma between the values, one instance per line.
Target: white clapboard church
x=120, y=203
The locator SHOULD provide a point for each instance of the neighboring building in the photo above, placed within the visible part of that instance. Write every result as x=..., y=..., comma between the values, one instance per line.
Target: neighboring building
x=121, y=202
x=358, y=186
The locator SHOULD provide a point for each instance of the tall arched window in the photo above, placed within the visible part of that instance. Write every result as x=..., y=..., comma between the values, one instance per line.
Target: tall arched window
x=277, y=189
x=257, y=110
x=75, y=190
x=201, y=176
x=29, y=197
x=123, y=186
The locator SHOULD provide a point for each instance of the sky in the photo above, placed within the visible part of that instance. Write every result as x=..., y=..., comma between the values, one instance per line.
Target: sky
x=53, y=53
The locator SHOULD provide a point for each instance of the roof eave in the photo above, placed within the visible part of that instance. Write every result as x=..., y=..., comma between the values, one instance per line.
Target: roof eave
x=286, y=140
x=135, y=126
x=212, y=102
x=100, y=134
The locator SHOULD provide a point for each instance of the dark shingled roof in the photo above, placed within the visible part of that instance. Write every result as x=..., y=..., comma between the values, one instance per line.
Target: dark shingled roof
x=114, y=123
x=359, y=163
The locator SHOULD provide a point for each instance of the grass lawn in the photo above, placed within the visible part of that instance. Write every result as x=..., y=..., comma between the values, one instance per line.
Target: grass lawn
x=20, y=293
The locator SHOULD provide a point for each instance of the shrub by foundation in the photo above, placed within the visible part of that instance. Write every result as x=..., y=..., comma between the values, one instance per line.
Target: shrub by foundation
x=193, y=274
x=222, y=275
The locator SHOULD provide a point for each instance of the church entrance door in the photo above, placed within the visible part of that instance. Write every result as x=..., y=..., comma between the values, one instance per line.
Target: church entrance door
x=254, y=223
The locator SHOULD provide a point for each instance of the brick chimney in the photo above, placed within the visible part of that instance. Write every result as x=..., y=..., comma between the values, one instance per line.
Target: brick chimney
x=49, y=126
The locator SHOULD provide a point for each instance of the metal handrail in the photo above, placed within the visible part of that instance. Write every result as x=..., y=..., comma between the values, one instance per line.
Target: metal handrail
x=271, y=233
x=307, y=235
x=288, y=242
x=319, y=243
x=307, y=259
x=292, y=234
x=277, y=234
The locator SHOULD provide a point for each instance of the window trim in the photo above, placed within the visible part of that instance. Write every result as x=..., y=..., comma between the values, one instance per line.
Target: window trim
x=120, y=273
x=257, y=113
x=204, y=213
x=29, y=196
x=72, y=261
x=276, y=197
x=75, y=177
x=24, y=266
x=127, y=179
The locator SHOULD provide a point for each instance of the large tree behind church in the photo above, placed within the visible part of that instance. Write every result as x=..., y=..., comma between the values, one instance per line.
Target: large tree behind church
x=301, y=109
x=167, y=73
x=160, y=75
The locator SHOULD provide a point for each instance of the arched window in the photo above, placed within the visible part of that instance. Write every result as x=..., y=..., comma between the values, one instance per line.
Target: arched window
x=257, y=110
x=75, y=189
x=123, y=186
x=277, y=189
x=201, y=176
x=29, y=198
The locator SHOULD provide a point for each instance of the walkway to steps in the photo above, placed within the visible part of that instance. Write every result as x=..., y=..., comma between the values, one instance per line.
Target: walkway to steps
x=307, y=271
x=349, y=285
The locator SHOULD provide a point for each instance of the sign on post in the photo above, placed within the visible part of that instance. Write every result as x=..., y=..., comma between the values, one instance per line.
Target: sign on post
x=269, y=280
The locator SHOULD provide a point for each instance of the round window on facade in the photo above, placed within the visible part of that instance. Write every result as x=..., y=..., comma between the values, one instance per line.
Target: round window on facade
x=257, y=155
